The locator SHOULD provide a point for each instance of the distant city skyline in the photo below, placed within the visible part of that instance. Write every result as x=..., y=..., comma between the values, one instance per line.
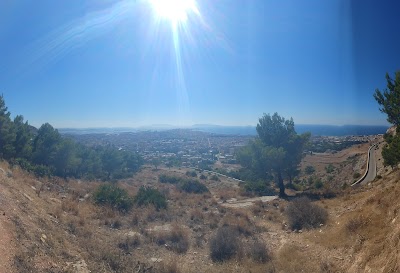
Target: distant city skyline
x=91, y=64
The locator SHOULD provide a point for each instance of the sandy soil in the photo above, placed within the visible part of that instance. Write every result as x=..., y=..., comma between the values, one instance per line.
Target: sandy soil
x=7, y=234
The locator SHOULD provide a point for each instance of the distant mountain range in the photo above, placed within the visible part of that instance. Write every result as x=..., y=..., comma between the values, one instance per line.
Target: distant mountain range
x=316, y=130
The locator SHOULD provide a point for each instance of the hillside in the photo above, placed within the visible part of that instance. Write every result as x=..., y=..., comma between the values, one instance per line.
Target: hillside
x=52, y=225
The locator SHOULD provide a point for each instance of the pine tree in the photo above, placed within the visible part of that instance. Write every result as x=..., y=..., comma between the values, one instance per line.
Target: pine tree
x=7, y=132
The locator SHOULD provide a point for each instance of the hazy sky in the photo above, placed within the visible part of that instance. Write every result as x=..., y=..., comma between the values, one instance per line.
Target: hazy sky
x=103, y=63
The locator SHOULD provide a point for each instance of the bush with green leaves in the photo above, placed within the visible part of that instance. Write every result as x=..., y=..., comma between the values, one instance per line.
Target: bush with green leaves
x=318, y=184
x=150, y=196
x=192, y=186
x=191, y=173
x=309, y=169
x=215, y=177
x=259, y=188
x=113, y=196
x=163, y=178
x=302, y=213
x=330, y=168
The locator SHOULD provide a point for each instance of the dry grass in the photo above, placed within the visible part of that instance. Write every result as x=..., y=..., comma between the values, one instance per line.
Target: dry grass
x=168, y=267
x=175, y=239
x=75, y=229
x=293, y=259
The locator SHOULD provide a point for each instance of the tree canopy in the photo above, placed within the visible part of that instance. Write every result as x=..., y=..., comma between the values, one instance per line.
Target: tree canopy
x=389, y=101
x=46, y=152
x=276, y=152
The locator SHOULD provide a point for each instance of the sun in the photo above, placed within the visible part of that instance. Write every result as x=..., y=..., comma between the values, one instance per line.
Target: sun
x=175, y=11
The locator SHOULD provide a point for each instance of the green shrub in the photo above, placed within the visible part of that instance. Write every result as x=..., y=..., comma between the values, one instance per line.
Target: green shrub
x=113, y=196
x=192, y=186
x=169, y=179
x=309, y=169
x=214, y=177
x=191, y=173
x=259, y=188
x=318, y=184
x=302, y=213
x=149, y=196
x=356, y=175
x=295, y=186
x=203, y=177
x=329, y=168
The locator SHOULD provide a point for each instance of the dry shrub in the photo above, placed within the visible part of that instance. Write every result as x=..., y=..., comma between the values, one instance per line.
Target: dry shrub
x=105, y=213
x=56, y=212
x=328, y=267
x=355, y=224
x=225, y=244
x=213, y=220
x=241, y=222
x=302, y=213
x=135, y=219
x=258, y=208
x=151, y=214
x=113, y=261
x=23, y=262
x=258, y=252
x=70, y=206
x=129, y=243
x=196, y=215
x=176, y=239
x=168, y=267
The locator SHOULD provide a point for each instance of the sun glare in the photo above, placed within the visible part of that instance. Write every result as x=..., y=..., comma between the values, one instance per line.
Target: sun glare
x=175, y=11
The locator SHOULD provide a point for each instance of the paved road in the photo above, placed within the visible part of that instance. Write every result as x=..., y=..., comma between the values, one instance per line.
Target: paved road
x=371, y=173
x=371, y=167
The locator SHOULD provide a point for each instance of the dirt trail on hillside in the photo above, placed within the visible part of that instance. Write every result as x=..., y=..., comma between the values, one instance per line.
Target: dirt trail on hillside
x=7, y=235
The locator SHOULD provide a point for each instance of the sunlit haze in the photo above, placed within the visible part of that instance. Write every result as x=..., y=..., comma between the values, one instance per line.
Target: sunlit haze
x=176, y=11
x=182, y=62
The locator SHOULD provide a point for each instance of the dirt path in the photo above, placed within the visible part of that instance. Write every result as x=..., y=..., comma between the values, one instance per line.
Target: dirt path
x=234, y=203
x=7, y=238
x=6, y=248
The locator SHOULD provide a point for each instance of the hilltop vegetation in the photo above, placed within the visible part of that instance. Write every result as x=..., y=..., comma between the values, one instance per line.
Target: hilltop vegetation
x=46, y=152
x=276, y=152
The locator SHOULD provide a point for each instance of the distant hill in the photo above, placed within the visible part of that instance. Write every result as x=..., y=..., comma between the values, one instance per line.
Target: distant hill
x=316, y=130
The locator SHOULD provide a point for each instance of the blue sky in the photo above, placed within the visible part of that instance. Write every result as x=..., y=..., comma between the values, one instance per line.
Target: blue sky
x=103, y=63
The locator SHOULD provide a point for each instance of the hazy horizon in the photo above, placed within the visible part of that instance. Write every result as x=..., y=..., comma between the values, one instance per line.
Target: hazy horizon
x=82, y=64
x=214, y=125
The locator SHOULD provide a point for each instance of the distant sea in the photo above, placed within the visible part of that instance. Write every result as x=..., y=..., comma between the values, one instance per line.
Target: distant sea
x=315, y=130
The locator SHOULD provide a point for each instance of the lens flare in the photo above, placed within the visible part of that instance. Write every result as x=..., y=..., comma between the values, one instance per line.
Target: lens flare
x=175, y=11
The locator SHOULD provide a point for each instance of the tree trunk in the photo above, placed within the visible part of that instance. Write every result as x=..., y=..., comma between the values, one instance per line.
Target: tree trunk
x=281, y=185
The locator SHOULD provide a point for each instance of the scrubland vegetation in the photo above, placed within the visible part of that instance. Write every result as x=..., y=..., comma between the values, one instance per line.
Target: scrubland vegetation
x=146, y=219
